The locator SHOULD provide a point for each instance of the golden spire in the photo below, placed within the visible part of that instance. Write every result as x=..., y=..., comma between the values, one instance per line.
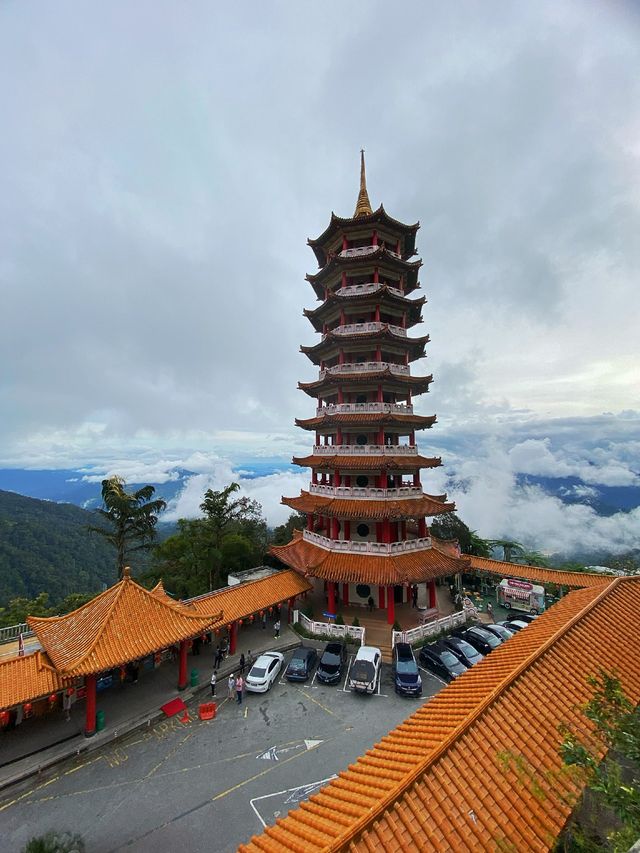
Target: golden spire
x=363, y=205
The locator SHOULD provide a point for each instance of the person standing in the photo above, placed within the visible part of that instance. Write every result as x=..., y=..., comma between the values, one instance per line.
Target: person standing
x=414, y=596
x=239, y=689
x=213, y=683
x=370, y=603
x=490, y=609
x=276, y=629
x=232, y=686
x=242, y=664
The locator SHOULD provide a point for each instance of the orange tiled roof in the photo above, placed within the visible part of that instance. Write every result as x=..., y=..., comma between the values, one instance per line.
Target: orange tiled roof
x=385, y=570
x=248, y=598
x=124, y=623
x=369, y=463
x=367, y=418
x=25, y=679
x=437, y=781
x=374, y=509
x=536, y=573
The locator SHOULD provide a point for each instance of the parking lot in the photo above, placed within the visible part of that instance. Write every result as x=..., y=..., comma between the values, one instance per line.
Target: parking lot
x=210, y=785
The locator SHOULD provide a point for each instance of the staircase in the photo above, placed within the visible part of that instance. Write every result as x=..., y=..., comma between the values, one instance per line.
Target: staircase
x=378, y=634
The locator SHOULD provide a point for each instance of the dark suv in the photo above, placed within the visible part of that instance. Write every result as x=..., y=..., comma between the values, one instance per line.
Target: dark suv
x=441, y=661
x=332, y=663
x=405, y=671
x=302, y=662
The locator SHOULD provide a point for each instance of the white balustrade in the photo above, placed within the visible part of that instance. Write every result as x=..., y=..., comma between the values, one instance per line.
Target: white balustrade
x=366, y=367
x=329, y=629
x=430, y=629
x=359, y=328
x=364, y=408
x=367, y=547
x=365, y=449
x=365, y=492
x=357, y=251
x=367, y=287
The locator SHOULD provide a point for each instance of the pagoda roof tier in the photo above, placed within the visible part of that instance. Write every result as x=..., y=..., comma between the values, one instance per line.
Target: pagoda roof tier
x=377, y=294
x=338, y=224
x=391, y=380
x=354, y=258
x=367, y=419
x=126, y=622
x=368, y=333
x=384, y=569
x=409, y=463
x=376, y=510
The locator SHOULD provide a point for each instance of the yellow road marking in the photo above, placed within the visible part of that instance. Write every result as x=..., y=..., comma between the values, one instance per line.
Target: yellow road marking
x=257, y=776
x=319, y=704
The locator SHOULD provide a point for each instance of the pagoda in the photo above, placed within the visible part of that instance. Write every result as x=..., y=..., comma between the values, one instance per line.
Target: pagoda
x=366, y=533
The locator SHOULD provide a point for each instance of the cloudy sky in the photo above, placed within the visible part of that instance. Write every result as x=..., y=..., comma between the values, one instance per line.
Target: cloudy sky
x=162, y=165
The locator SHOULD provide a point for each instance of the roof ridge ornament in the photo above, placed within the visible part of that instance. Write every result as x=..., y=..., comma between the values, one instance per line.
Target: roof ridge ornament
x=363, y=205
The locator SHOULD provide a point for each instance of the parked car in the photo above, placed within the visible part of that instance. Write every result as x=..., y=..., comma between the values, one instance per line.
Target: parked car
x=464, y=651
x=500, y=631
x=301, y=664
x=514, y=625
x=264, y=672
x=365, y=670
x=405, y=671
x=481, y=639
x=332, y=662
x=440, y=660
x=526, y=617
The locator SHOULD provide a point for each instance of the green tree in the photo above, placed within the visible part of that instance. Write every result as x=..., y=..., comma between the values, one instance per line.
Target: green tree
x=221, y=513
x=450, y=526
x=55, y=842
x=615, y=730
x=510, y=549
x=283, y=534
x=130, y=518
x=533, y=558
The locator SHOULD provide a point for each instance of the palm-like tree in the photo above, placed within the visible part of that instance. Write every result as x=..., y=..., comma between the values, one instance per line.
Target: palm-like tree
x=510, y=549
x=131, y=518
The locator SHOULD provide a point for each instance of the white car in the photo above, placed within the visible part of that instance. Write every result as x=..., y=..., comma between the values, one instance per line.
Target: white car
x=264, y=672
x=365, y=670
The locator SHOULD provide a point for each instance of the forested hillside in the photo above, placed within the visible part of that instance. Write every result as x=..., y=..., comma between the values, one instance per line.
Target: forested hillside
x=46, y=547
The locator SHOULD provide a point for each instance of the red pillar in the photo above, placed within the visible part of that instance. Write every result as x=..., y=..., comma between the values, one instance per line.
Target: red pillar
x=309, y=521
x=233, y=638
x=381, y=597
x=431, y=589
x=391, y=611
x=332, y=596
x=347, y=531
x=345, y=594
x=182, y=666
x=422, y=528
x=90, y=721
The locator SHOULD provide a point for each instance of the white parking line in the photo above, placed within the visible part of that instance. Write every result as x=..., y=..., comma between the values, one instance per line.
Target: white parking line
x=313, y=684
x=437, y=677
x=345, y=688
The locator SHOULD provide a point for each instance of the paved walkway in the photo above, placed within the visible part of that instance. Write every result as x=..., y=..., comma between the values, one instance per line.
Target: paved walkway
x=39, y=743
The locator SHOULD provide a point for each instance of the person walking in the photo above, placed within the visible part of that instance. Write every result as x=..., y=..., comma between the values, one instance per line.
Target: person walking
x=490, y=609
x=242, y=664
x=239, y=689
x=370, y=603
x=217, y=658
x=213, y=683
x=232, y=686
x=414, y=596
x=276, y=629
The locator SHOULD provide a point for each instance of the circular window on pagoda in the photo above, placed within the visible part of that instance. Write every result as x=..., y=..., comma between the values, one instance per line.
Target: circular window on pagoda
x=361, y=439
x=363, y=590
x=362, y=481
x=362, y=530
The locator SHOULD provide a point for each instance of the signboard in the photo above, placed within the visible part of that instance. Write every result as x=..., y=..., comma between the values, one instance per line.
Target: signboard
x=519, y=584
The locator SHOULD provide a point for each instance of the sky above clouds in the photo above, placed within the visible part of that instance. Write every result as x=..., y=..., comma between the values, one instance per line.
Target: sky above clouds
x=163, y=164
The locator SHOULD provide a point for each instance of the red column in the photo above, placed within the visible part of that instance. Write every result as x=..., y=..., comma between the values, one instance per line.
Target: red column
x=386, y=530
x=344, y=279
x=336, y=477
x=431, y=590
x=90, y=721
x=335, y=528
x=374, y=239
x=347, y=531
x=378, y=359
x=377, y=315
x=309, y=521
x=332, y=596
x=340, y=356
x=422, y=528
x=381, y=597
x=182, y=665
x=376, y=276
x=391, y=611
x=345, y=594
x=233, y=638
x=416, y=478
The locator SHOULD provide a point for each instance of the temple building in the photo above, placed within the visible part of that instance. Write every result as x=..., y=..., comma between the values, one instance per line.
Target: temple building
x=367, y=534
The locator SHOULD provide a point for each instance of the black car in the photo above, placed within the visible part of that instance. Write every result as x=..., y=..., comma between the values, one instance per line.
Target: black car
x=301, y=664
x=405, y=671
x=514, y=625
x=481, y=639
x=440, y=660
x=500, y=631
x=331, y=664
x=464, y=651
x=526, y=617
